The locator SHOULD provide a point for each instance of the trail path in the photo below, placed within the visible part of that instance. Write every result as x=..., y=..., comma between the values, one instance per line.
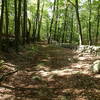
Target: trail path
x=47, y=72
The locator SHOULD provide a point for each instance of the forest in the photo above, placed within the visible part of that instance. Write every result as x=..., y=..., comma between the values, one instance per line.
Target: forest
x=49, y=49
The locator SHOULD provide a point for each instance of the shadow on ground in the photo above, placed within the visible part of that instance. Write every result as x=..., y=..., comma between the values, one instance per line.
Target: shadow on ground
x=37, y=59
x=73, y=87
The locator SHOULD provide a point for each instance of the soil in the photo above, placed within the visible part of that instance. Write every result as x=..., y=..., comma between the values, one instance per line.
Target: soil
x=48, y=72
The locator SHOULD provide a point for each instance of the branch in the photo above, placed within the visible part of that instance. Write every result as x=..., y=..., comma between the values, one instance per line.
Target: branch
x=72, y=3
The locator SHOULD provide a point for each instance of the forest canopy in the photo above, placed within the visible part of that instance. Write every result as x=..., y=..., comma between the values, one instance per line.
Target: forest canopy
x=65, y=21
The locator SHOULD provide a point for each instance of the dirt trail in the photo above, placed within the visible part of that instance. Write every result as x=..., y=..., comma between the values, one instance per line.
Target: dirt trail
x=47, y=72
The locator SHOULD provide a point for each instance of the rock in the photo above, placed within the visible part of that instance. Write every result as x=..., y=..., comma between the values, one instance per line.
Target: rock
x=95, y=68
x=1, y=62
x=94, y=50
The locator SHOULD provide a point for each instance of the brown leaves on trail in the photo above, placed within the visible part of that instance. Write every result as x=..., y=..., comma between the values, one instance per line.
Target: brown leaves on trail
x=46, y=72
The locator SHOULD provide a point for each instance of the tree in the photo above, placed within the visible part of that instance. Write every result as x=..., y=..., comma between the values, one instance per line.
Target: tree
x=65, y=23
x=79, y=23
x=98, y=23
x=56, y=20
x=16, y=34
x=1, y=20
x=24, y=21
x=71, y=33
x=90, y=39
x=37, y=20
x=7, y=23
x=39, y=23
x=51, y=23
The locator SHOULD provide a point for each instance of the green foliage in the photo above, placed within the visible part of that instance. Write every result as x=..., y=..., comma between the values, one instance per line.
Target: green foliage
x=36, y=78
x=66, y=8
x=32, y=48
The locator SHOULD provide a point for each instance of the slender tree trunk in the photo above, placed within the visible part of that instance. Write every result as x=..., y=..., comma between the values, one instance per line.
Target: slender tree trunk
x=19, y=17
x=16, y=28
x=1, y=21
x=47, y=28
x=59, y=32
x=90, y=38
x=40, y=22
x=65, y=24
x=28, y=31
x=37, y=19
x=7, y=21
x=19, y=23
x=34, y=31
x=71, y=34
x=56, y=22
x=2, y=15
x=50, y=33
x=24, y=21
x=79, y=23
x=98, y=24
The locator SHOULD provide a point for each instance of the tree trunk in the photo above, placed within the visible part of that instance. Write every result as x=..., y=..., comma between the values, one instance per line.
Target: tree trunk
x=34, y=32
x=98, y=24
x=65, y=24
x=90, y=38
x=1, y=21
x=7, y=22
x=79, y=23
x=19, y=21
x=56, y=22
x=28, y=31
x=40, y=22
x=24, y=22
x=50, y=32
x=71, y=34
x=37, y=19
x=16, y=34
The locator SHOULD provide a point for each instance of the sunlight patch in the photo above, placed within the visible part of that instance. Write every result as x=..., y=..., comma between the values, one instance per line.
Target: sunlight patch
x=82, y=58
x=41, y=66
x=44, y=73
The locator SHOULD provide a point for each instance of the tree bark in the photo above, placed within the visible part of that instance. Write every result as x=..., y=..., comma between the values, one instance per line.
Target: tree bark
x=19, y=20
x=98, y=24
x=7, y=21
x=71, y=34
x=28, y=31
x=40, y=22
x=90, y=38
x=1, y=21
x=24, y=21
x=52, y=19
x=16, y=17
x=37, y=19
x=79, y=23
x=56, y=22
x=65, y=24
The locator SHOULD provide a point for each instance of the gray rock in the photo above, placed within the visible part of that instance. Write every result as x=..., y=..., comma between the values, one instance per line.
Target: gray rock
x=94, y=50
x=95, y=68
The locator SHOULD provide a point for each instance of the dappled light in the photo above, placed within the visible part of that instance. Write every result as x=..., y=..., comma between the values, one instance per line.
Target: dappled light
x=49, y=49
x=48, y=77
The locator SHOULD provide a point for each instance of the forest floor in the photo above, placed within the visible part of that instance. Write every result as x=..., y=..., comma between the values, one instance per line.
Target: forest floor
x=47, y=72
